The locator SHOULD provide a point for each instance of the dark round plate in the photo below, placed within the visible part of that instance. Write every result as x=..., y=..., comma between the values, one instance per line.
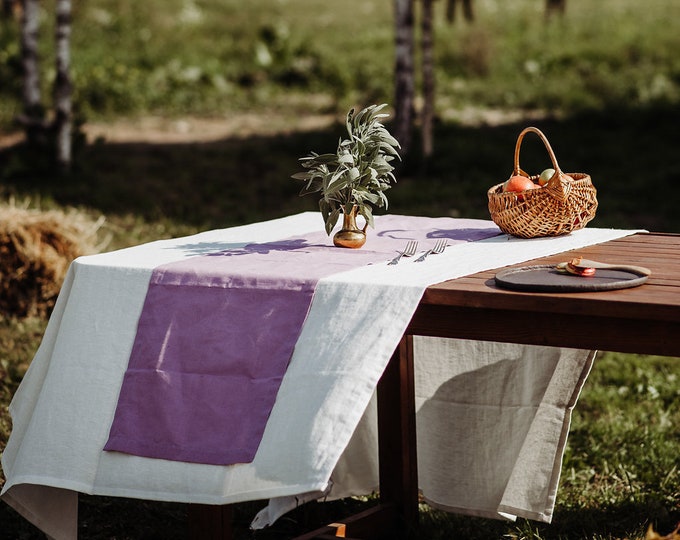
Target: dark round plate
x=545, y=278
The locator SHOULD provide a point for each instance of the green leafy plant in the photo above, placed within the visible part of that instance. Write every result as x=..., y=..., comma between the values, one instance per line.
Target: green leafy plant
x=358, y=174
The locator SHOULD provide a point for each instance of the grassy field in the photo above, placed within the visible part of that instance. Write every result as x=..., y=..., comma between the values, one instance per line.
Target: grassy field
x=603, y=83
x=211, y=57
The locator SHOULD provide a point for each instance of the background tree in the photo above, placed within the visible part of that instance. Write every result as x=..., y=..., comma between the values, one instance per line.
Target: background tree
x=63, y=88
x=7, y=7
x=404, y=92
x=405, y=74
x=405, y=66
x=34, y=117
x=427, y=46
x=451, y=6
x=555, y=6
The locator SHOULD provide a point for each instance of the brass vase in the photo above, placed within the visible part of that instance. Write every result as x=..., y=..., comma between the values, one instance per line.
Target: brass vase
x=350, y=236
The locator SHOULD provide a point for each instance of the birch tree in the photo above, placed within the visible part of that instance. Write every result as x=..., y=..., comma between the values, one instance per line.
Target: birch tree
x=33, y=118
x=404, y=92
x=427, y=46
x=63, y=88
x=404, y=95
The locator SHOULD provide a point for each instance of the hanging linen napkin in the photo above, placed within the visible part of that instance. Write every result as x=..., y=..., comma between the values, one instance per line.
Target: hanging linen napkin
x=217, y=331
x=493, y=419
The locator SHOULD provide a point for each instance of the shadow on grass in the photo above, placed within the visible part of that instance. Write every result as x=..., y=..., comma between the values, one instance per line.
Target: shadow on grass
x=630, y=154
x=106, y=518
x=609, y=521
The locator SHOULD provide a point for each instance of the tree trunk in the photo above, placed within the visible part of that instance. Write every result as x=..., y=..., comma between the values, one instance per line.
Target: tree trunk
x=63, y=88
x=468, y=13
x=404, y=75
x=33, y=113
x=7, y=8
x=467, y=10
x=428, y=77
x=555, y=6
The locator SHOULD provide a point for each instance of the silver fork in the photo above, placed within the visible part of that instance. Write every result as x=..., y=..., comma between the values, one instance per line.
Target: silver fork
x=439, y=247
x=409, y=251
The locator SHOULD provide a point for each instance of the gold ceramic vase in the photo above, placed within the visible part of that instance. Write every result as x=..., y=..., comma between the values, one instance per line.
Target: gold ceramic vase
x=350, y=236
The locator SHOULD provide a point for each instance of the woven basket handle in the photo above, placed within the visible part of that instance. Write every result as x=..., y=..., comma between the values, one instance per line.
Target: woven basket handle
x=538, y=132
x=558, y=186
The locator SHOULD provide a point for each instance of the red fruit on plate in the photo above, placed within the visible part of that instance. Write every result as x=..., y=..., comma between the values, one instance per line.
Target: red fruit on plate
x=579, y=271
x=518, y=183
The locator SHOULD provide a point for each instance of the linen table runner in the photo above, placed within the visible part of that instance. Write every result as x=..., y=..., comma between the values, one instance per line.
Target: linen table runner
x=217, y=331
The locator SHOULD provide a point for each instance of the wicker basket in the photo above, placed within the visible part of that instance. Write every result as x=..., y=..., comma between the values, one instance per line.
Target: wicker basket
x=566, y=203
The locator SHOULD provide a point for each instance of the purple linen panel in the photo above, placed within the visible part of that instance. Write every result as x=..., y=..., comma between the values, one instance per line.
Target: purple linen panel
x=217, y=331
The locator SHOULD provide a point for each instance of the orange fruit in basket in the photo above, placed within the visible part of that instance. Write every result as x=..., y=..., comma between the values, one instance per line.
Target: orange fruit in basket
x=518, y=183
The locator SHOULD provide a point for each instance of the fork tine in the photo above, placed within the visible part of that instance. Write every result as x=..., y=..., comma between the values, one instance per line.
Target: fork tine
x=409, y=250
x=439, y=247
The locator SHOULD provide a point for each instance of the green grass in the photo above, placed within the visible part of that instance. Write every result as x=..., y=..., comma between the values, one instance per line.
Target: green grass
x=607, y=74
x=198, y=57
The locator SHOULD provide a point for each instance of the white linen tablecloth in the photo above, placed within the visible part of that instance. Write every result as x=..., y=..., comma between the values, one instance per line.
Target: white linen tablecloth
x=64, y=407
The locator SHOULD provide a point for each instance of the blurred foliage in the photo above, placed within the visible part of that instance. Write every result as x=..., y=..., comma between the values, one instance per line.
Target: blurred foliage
x=185, y=56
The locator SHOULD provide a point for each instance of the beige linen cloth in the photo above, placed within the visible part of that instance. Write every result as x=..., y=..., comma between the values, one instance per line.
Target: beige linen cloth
x=493, y=433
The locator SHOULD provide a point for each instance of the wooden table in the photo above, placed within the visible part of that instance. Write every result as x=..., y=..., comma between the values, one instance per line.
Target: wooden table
x=644, y=319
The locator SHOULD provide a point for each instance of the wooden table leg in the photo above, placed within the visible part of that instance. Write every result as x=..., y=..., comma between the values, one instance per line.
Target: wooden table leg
x=397, y=435
x=396, y=516
x=210, y=522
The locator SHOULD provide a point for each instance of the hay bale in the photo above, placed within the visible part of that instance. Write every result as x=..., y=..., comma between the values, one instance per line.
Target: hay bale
x=36, y=249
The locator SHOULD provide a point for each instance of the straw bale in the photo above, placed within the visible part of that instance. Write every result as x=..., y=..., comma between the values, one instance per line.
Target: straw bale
x=36, y=249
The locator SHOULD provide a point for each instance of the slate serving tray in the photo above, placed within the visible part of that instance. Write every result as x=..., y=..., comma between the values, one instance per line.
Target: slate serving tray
x=545, y=278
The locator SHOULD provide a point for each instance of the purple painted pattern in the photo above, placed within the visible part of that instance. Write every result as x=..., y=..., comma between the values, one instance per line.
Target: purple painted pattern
x=217, y=331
